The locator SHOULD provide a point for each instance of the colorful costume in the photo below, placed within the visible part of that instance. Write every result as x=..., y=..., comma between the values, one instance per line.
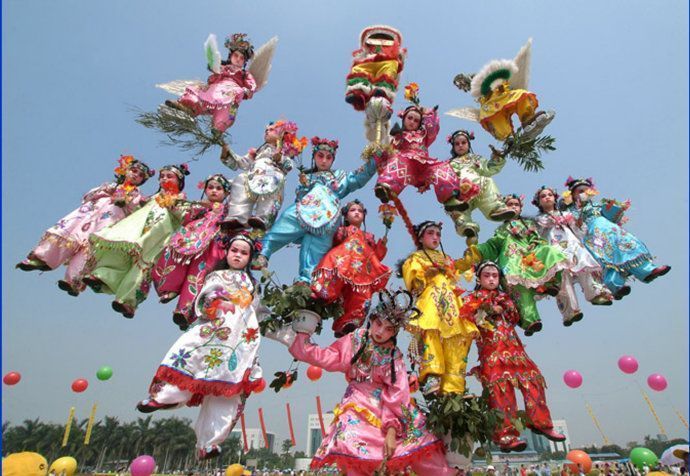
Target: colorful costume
x=527, y=261
x=446, y=336
x=312, y=220
x=352, y=269
x=257, y=192
x=214, y=364
x=557, y=228
x=193, y=251
x=504, y=366
x=372, y=404
x=376, y=66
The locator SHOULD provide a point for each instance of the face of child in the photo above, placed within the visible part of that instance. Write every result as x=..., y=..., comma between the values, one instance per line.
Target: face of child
x=488, y=278
x=135, y=175
x=381, y=331
x=431, y=238
x=271, y=136
x=514, y=204
x=323, y=160
x=237, y=58
x=580, y=193
x=168, y=177
x=412, y=121
x=214, y=191
x=547, y=200
x=355, y=215
x=238, y=254
x=461, y=145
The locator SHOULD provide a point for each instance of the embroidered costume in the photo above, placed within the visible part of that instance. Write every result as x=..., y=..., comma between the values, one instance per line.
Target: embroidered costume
x=213, y=364
x=505, y=367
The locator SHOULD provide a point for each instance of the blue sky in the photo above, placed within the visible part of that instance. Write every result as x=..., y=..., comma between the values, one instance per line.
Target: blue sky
x=615, y=72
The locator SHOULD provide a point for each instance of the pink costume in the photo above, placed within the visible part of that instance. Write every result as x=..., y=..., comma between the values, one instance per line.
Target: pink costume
x=371, y=405
x=221, y=96
x=410, y=163
x=193, y=252
x=68, y=241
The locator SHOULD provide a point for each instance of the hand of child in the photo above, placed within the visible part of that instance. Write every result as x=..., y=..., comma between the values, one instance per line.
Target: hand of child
x=389, y=443
x=495, y=152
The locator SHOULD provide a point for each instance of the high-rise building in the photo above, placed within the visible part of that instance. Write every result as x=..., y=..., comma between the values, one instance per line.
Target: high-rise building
x=255, y=439
x=314, y=436
x=561, y=427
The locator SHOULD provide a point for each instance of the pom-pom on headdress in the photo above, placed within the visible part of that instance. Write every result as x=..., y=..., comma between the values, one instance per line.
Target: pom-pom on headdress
x=535, y=199
x=461, y=132
x=573, y=183
x=396, y=307
x=239, y=42
x=324, y=144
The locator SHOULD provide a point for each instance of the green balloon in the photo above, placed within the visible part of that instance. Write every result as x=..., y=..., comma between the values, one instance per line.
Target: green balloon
x=641, y=456
x=104, y=373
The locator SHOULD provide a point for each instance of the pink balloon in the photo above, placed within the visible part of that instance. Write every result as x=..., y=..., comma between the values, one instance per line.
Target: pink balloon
x=572, y=378
x=142, y=465
x=628, y=364
x=657, y=382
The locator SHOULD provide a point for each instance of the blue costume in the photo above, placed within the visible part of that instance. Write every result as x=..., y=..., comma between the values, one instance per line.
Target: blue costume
x=314, y=217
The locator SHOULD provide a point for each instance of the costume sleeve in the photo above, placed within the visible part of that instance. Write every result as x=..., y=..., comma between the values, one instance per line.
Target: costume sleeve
x=491, y=249
x=135, y=201
x=286, y=164
x=413, y=275
x=357, y=178
x=234, y=161
x=394, y=397
x=250, y=82
x=334, y=358
x=430, y=122
x=186, y=211
x=492, y=166
x=104, y=190
x=340, y=236
x=206, y=305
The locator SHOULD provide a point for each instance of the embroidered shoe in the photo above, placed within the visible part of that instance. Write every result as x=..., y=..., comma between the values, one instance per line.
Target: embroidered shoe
x=93, y=282
x=621, y=293
x=513, y=444
x=167, y=297
x=68, y=287
x=149, y=405
x=534, y=327
x=549, y=433
x=537, y=124
x=656, y=273
x=33, y=264
x=502, y=214
x=432, y=385
x=574, y=318
x=209, y=452
x=455, y=205
x=124, y=309
x=602, y=300
x=257, y=223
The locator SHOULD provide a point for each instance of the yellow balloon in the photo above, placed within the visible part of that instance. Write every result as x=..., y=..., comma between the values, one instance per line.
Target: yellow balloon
x=25, y=463
x=65, y=466
x=236, y=470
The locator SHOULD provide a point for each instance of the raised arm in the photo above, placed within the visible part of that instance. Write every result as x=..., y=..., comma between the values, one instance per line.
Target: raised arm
x=334, y=358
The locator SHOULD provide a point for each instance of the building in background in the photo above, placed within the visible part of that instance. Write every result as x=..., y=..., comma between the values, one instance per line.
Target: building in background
x=314, y=436
x=255, y=439
x=561, y=427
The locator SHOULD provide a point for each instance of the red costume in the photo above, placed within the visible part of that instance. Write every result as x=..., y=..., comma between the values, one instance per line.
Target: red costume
x=505, y=366
x=352, y=269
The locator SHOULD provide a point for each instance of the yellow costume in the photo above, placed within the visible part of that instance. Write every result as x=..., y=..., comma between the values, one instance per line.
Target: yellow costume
x=446, y=336
x=497, y=108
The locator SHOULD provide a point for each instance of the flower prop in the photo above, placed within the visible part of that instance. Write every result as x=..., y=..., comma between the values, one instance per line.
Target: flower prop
x=387, y=213
x=531, y=261
x=468, y=190
x=123, y=164
x=293, y=145
x=412, y=93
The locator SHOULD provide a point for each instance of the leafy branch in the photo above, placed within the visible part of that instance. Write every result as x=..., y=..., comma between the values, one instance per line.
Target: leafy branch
x=527, y=151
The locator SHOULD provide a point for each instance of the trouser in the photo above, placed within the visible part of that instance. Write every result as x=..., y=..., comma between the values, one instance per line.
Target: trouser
x=502, y=397
x=526, y=304
x=500, y=125
x=222, y=118
x=54, y=251
x=124, y=278
x=241, y=203
x=614, y=279
x=355, y=306
x=488, y=201
x=186, y=279
x=286, y=230
x=445, y=358
x=217, y=415
x=567, y=299
x=432, y=463
x=401, y=171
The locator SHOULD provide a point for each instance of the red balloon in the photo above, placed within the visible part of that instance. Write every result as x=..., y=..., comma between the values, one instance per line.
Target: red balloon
x=657, y=382
x=579, y=457
x=628, y=364
x=314, y=373
x=80, y=385
x=12, y=378
x=260, y=386
x=572, y=378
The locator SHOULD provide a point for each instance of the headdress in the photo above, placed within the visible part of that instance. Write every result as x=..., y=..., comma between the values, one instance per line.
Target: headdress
x=349, y=205
x=239, y=42
x=220, y=178
x=324, y=144
x=126, y=162
x=573, y=183
x=379, y=35
x=478, y=269
x=254, y=245
x=514, y=196
x=422, y=227
x=179, y=170
x=396, y=307
x=460, y=132
x=535, y=199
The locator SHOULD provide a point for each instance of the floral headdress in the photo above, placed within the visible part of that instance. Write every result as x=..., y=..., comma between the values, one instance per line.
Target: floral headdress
x=239, y=42
x=179, y=170
x=535, y=199
x=396, y=307
x=479, y=267
x=220, y=178
x=254, y=245
x=126, y=162
x=460, y=132
x=573, y=183
x=514, y=196
x=324, y=144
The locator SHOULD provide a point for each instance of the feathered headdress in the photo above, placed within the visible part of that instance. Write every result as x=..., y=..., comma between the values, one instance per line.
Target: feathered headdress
x=395, y=307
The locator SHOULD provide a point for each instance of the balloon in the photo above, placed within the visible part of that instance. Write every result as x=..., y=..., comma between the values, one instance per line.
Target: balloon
x=628, y=364
x=657, y=382
x=80, y=385
x=65, y=465
x=12, y=378
x=572, y=378
x=579, y=457
x=104, y=373
x=314, y=373
x=234, y=470
x=142, y=465
x=641, y=456
x=260, y=386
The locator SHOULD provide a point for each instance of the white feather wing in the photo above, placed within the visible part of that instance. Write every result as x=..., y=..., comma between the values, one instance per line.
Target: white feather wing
x=261, y=64
x=212, y=53
x=178, y=86
x=467, y=113
x=520, y=80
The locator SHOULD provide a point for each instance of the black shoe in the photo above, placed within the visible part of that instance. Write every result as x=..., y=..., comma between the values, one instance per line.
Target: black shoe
x=67, y=287
x=382, y=192
x=656, y=273
x=534, y=327
x=621, y=293
x=257, y=222
x=150, y=406
x=181, y=321
x=124, y=309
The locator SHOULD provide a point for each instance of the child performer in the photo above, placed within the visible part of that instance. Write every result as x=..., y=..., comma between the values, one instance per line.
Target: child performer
x=193, y=251
x=503, y=364
x=312, y=220
x=352, y=269
x=376, y=424
x=528, y=263
x=619, y=252
x=557, y=228
x=68, y=241
x=430, y=275
x=463, y=183
x=214, y=364
x=124, y=254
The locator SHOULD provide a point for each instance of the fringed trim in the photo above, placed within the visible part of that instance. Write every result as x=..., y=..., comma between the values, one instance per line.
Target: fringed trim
x=320, y=231
x=399, y=463
x=360, y=288
x=362, y=411
x=514, y=280
x=205, y=387
x=521, y=381
x=62, y=242
x=179, y=258
x=628, y=265
x=131, y=249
